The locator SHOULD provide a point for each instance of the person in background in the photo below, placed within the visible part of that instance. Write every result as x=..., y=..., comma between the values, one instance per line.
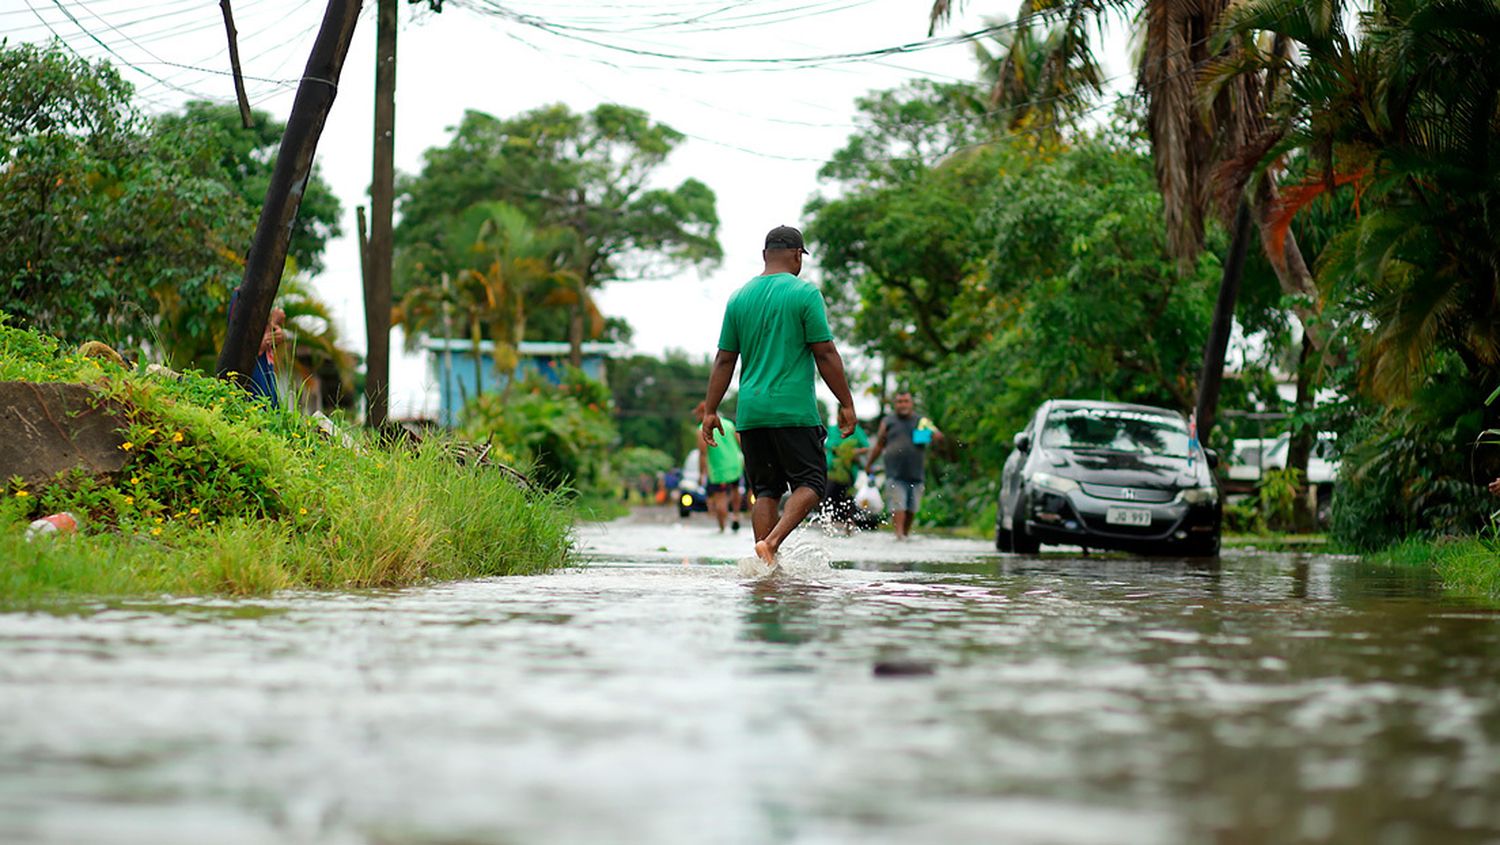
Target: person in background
x=720, y=465
x=903, y=439
x=845, y=455
x=263, y=376
x=1495, y=487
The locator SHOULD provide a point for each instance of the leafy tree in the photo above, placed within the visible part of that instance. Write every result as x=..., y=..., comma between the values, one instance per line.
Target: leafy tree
x=108, y=231
x=654, y=399
x=246, y=157
x=591, y=173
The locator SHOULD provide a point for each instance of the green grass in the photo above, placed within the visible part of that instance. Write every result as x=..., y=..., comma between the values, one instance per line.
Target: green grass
x=1467, y=565
x=222, y=495
x=1276, y=540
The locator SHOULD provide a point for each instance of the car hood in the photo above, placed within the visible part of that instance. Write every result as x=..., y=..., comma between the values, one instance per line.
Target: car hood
x=1121, y=469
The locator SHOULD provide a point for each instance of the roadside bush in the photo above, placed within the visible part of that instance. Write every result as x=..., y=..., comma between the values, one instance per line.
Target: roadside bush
x=222, y=494
x=565, y=431
x=1410, y=470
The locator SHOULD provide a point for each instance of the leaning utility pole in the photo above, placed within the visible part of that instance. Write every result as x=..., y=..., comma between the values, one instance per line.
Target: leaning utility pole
x=267, y=257
x=382, y=190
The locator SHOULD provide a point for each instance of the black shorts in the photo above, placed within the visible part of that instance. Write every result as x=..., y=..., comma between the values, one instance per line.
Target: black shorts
x=725, y=487
x=782, y=459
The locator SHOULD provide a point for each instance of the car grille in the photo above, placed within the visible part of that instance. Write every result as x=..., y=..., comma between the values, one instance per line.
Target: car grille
x=1145, y=496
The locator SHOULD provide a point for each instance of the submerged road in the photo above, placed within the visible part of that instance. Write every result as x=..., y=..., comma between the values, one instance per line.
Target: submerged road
x=875, y=692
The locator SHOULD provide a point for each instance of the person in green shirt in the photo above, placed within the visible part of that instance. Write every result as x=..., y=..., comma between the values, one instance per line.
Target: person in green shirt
x=845, y=456
x=720, y=465
x=779, y=325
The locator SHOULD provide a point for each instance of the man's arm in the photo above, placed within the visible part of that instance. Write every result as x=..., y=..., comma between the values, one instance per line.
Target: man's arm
x=831, y=368
x=718, y=384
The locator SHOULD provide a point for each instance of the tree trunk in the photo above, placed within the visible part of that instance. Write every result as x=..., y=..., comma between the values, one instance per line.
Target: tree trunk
x=266, y=259
x=575, y=329
x=1299, y=449
x=1212, y=377
x=382, y=190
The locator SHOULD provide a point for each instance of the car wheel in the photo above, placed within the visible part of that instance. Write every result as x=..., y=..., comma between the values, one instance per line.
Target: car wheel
x=1203, y=548
x=1021, y=542
x=1002, y=539
x=683, y=512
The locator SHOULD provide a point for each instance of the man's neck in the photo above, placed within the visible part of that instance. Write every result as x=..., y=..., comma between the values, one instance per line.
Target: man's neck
x=772, y=271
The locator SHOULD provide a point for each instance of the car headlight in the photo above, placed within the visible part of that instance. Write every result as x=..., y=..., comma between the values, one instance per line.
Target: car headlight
x=1198, y=496
x=687, y=500
x=1054, y=483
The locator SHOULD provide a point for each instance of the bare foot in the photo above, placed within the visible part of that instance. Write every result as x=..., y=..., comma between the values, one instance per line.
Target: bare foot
x=764, y=551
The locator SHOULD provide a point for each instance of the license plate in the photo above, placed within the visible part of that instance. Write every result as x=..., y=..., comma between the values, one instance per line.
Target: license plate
x=1128, y=516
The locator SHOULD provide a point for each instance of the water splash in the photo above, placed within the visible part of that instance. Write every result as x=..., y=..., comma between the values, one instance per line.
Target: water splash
x=801, y=556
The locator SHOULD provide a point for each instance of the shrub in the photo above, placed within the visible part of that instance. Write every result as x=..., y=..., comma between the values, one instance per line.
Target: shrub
x=564, y=431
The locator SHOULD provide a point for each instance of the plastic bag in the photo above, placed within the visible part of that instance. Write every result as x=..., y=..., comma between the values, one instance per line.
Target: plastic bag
x=868, y=497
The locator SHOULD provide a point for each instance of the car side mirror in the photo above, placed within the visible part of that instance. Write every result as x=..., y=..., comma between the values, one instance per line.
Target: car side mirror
x=1212, y=456
x=1023, y=441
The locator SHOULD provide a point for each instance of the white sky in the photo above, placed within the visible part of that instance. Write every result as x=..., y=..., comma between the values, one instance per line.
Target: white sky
x=756, y=136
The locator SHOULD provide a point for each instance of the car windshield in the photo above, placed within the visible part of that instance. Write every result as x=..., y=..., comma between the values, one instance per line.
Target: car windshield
x=1116, y=430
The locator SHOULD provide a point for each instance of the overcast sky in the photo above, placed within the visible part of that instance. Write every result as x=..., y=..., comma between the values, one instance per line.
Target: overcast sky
x=757, y=134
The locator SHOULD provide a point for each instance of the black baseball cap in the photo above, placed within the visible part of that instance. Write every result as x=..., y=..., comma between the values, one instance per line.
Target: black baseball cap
x=786, y=237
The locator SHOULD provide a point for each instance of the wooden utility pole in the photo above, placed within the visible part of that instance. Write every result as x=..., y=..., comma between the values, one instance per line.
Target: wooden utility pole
x=381, y=251
x=267, y=257
x=246, y=119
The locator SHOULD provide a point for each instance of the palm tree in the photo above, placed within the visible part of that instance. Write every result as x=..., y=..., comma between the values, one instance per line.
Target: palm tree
x=506, y=268
x=1405, y=114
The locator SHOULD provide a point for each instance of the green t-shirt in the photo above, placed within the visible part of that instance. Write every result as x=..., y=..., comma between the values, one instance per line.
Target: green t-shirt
x=725, y=462
x=840, y=452
x=770, y=322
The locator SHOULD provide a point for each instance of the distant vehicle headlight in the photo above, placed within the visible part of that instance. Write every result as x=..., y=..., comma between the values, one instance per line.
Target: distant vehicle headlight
x=1198, y=496
x=687, y=500
x=1054, y=483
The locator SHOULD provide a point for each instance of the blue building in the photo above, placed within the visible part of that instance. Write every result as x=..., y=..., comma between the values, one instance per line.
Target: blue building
x=451, y=363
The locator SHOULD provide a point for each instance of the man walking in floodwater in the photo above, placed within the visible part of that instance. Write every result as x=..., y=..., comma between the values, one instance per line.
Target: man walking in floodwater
x=779, y=324
x=903, y=437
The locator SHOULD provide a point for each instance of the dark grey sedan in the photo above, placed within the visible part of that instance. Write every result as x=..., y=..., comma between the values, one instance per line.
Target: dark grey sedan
x=1109, y=475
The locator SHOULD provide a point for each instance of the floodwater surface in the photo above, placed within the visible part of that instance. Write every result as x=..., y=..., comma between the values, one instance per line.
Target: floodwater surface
x=876, y=692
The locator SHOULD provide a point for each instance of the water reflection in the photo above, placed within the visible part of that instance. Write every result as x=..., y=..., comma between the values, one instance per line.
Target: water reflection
x=927, y=693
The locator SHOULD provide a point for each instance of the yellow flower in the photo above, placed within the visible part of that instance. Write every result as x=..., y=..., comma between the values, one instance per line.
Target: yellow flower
x=155, y=531
x=176, y=437
x=193, y=511
x=21, y=494
x=127, y=445
x=150, y=431
x=302, y=511
x=129, y=500
x=135, y=479
x=158, y=520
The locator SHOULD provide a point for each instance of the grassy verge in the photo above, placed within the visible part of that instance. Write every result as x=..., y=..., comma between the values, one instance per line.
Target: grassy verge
x=1467, y=565
x=222, y=495
x=1277, y=542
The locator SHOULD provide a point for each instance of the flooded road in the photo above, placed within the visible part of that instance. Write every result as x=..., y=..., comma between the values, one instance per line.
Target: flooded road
x=922, y=692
